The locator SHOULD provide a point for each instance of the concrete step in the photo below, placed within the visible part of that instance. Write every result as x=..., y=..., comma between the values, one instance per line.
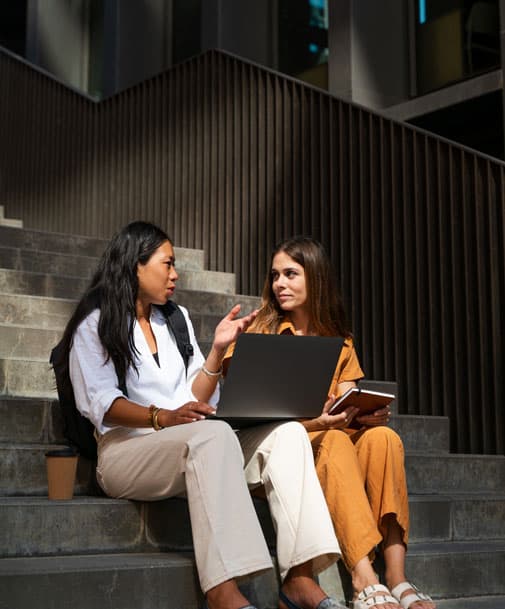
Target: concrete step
x=9, y=222
x=53, y=313
x=35, y=311
x=26, y=343
x=37, y=526
x=30, y=421
x=116, y=581
x=77, y=264
x=199, y=301
x=77, y=246
x=454, y=574
x=24, y=471
x=25, y=420
x=27, y=378
x=458, y=517
x=41, y=284
x=458, y=569
x=47, y=262
x=446, y=474
x=30, y=239
x=67, y=286
x=423, y=433
x=23, y=342
x=479, y=602
x=36, y=420
x=34, y=526
x=147, y=580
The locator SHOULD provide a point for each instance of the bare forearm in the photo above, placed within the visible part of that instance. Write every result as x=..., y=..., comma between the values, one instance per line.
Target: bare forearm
x=125, y=413
x=204, y=384
x=128, y=414
x=312, y=425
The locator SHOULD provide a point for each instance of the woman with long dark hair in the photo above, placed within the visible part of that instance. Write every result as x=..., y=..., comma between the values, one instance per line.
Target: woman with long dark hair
x=361, y=470
x=154, y=440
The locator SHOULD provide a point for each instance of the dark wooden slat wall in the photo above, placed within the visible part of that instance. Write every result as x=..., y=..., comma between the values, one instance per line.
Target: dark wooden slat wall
x=231, y=157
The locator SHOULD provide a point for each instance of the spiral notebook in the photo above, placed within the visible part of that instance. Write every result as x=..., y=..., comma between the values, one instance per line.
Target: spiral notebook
x=277, y=377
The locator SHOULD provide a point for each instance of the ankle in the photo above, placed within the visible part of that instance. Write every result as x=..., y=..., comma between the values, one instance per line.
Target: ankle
x=395, y=578
x=225, y=596
x=363, y=575
x=303, y=591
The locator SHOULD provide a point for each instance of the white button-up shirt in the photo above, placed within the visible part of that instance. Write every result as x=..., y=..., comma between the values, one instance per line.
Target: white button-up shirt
x=95, y=381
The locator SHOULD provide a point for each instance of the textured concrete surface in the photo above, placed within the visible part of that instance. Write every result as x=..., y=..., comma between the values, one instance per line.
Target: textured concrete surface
x=35, y=311
x=457, y=549
x=26, y=378
x=77, y=264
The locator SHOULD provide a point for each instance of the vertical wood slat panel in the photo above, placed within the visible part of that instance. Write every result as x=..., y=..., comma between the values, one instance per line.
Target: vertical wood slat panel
x=230, y=157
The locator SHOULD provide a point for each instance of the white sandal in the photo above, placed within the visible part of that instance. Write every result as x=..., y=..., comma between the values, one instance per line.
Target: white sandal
x=414, y=597
x=376, y=594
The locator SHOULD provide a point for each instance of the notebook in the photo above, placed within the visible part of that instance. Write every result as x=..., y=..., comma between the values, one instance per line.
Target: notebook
x=277, y=377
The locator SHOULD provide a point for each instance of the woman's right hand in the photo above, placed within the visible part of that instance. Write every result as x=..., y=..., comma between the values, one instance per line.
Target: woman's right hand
x=230, y=327
x=187, y=413
x=331, y=421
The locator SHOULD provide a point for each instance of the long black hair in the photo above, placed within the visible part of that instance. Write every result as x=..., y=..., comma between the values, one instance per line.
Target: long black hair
x=113, y=290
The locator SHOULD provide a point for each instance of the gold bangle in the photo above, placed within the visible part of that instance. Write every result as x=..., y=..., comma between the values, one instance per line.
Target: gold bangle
x=153, y=417
x=212, y=374
x=156, y=425
x=152, y=408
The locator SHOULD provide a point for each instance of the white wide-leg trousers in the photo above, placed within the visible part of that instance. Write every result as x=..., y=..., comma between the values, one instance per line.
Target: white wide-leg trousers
x=206, y=461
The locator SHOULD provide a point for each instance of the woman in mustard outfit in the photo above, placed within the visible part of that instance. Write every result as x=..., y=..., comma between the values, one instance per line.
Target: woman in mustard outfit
x=361, y=470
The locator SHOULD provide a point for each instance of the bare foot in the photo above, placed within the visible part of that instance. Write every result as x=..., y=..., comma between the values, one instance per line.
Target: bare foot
x=363, y=576
x=421, y=604
x=303, y=592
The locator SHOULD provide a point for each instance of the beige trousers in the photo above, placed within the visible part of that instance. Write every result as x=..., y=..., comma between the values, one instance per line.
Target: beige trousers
x=207, y=461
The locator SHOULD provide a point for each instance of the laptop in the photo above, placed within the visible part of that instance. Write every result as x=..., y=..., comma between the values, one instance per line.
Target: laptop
x=277, y=377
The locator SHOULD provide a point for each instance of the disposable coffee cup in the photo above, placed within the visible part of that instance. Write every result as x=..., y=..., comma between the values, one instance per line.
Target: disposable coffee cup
x=61, y=470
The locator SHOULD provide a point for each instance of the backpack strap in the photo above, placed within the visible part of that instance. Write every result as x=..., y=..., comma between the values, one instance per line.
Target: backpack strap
x=177, y=323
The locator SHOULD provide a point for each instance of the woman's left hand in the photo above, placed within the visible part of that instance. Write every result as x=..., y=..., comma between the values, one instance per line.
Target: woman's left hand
x=376, y=418
x=230, y=327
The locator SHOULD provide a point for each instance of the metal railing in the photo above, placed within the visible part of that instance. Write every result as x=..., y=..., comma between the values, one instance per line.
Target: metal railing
x=231, y=157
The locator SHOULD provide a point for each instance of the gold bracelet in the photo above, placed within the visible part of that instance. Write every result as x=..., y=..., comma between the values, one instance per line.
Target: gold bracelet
x=153, y=417
x=156, y=425
x=212, y=374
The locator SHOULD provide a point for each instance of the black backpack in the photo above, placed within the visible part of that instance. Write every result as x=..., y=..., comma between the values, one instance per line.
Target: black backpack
x=77, y=429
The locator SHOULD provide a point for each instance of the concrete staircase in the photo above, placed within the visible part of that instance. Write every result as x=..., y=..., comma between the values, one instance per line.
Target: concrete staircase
x=95, y=552
x=9, y=221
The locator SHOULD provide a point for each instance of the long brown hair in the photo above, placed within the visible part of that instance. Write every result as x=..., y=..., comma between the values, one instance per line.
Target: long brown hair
x=326, y=310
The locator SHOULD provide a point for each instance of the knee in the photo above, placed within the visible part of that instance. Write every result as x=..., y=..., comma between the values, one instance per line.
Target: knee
x=336, y=440
x=290, y=437
x=334, y=447
x=220, y=432
x=292, y=431
x=217, y=437
x=384, y=437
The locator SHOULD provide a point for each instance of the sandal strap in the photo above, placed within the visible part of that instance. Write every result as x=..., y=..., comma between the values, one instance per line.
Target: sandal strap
x=408, y=600
x=376, y=594
x=330, y=603
x=371, y=590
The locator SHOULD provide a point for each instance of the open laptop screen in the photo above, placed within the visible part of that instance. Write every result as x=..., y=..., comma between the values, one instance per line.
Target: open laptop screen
x=276, y=377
